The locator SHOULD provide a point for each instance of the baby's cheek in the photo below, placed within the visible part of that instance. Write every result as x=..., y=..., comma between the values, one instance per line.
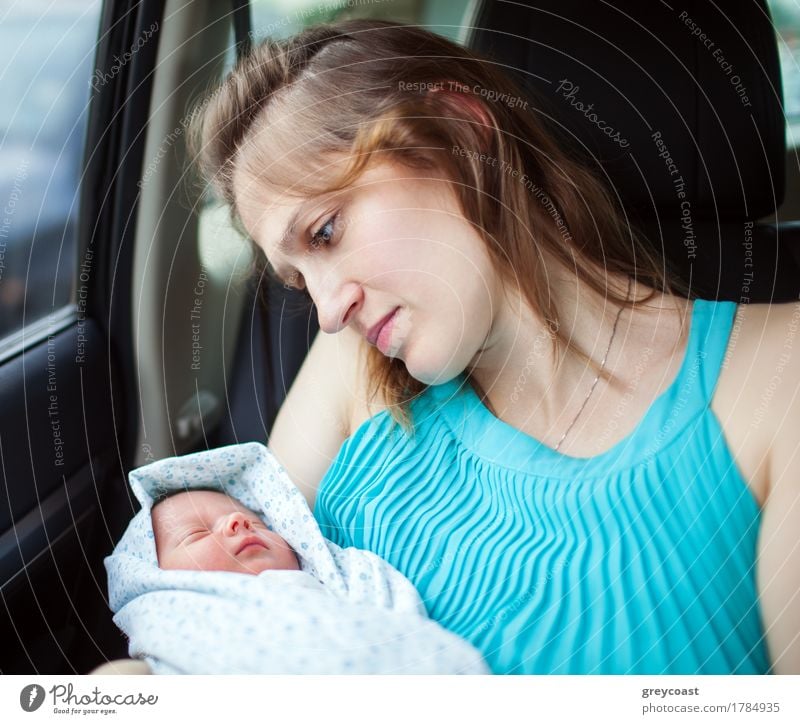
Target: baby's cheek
x=290, y=561
x=160, y=551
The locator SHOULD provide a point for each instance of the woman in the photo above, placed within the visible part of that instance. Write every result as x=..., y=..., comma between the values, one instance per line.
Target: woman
x=575, y=466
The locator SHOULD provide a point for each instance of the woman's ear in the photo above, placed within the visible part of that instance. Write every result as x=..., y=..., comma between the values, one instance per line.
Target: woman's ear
x=459, y=101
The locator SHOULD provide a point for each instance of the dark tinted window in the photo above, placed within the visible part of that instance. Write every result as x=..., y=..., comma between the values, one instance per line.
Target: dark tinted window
x=46, y=67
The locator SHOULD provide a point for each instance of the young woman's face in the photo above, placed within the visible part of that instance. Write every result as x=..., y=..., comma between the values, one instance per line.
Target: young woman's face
x=391, y=257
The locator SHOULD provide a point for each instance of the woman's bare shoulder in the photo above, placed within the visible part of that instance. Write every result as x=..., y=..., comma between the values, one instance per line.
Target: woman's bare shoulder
x=314, y=419
x=361, y=405
x=353, y=350
x=759, y=380
x=762, y=336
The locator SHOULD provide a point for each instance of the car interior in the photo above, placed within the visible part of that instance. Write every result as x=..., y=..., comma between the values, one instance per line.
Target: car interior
x=132, y=324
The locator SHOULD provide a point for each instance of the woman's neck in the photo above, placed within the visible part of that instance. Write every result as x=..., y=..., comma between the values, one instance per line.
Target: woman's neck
x=521, y=366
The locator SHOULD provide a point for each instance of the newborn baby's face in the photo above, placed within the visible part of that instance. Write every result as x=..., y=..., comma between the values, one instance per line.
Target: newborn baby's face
x=202, y=530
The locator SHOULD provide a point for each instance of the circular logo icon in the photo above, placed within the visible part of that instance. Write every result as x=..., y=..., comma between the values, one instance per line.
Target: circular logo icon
x=31, y=697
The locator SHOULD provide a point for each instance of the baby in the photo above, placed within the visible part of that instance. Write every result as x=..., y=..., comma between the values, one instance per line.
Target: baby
x=305, y=605
x=205, y=530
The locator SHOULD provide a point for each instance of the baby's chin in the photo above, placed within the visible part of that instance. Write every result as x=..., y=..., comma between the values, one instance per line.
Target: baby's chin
x=256, y=567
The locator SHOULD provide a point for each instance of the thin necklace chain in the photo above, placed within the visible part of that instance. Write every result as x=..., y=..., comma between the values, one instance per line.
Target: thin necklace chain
x=602, y=367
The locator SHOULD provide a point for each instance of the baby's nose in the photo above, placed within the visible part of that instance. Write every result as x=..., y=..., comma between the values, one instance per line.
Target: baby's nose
x=235, y=523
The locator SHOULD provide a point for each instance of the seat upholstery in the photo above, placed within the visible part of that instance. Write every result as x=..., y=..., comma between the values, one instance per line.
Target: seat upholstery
x=679, y=106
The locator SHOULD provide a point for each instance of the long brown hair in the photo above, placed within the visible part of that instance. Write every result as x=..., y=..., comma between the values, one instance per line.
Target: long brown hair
x=362, y=90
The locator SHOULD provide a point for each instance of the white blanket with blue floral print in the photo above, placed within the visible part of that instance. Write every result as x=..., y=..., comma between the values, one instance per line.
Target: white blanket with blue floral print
x=345, y=611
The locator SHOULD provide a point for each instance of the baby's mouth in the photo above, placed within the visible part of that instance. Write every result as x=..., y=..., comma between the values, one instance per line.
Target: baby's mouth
x=251, y=541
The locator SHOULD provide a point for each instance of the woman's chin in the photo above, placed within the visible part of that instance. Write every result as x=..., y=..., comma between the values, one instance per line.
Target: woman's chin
x=431, y=373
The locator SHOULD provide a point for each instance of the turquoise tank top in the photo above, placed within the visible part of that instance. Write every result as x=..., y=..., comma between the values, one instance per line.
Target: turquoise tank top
x=640, y=560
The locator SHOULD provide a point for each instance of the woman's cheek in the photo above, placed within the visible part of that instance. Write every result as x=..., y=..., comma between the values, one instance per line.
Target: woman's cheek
x=434, y=353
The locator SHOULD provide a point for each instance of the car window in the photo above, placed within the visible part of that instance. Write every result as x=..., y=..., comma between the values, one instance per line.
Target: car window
x=281, y=18
x=786, y=18
x=46, y=62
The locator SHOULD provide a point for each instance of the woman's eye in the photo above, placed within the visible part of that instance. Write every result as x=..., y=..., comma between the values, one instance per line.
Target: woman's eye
x=324, y=235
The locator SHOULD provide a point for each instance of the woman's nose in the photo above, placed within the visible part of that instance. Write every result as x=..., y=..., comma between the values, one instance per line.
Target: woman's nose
x=336, y=303
x=235, y=523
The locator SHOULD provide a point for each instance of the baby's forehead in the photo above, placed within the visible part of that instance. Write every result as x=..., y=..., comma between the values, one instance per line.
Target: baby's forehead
x=194, y=504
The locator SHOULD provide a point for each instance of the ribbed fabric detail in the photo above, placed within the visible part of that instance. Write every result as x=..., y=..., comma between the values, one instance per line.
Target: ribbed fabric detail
x=638, y=560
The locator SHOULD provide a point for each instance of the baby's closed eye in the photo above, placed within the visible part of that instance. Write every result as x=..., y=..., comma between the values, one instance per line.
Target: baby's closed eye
x=192, y=535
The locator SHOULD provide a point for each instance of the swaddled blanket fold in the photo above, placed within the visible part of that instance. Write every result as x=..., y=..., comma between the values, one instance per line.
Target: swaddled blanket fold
x=345, y=611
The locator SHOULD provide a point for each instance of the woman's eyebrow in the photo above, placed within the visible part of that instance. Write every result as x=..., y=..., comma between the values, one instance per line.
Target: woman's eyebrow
x=286, y=243
x=287, y=238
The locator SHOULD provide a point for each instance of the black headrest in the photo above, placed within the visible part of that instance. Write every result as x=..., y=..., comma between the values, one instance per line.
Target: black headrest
x=677, y=102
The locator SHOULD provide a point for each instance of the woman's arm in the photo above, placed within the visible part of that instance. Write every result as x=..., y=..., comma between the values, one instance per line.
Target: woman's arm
x=779, y=537
x=314, y=419
x=779, y=562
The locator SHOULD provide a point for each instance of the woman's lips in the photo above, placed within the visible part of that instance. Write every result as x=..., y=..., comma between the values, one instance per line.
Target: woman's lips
x=383, y=339
x=372, y=334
